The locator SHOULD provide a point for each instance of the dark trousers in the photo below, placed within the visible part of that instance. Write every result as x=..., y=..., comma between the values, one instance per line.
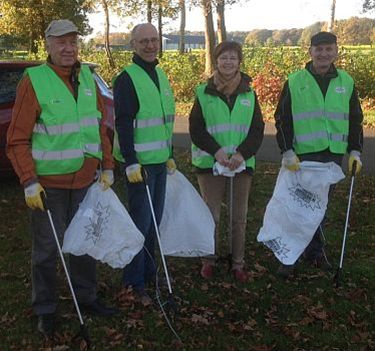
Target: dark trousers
x=315, y=248
x=63, y=204
x=143, y=266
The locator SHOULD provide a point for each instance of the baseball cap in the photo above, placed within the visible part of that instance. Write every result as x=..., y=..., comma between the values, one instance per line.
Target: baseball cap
x=57, y=28
x=323, y=38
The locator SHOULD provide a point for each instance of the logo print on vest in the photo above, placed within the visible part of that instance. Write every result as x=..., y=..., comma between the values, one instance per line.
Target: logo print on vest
x=88, y=92
x=304, y=197
x=245, y=102
x=340, y=90
x=56, y=101
x=167, y=92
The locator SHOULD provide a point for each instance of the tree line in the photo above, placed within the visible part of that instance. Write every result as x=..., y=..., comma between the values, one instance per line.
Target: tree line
x=353, y=31
x=24, y=21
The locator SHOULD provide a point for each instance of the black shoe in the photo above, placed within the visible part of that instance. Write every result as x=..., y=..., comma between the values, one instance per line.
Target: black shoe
x=286, y=271
x=320, y=262
x=46, y=324
x=96, y=308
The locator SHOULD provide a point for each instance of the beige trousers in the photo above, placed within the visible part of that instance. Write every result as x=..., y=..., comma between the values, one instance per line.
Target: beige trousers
x=213, y=190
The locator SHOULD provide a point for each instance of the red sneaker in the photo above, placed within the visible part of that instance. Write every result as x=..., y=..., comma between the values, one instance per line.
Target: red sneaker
x=207, y=271
x=241, y=275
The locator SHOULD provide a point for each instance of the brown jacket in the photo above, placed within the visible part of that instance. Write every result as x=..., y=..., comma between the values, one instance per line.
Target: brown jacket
x=25, y=113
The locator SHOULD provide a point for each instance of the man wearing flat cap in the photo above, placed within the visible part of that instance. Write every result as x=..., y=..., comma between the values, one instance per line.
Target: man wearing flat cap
x=319, y=118
x=57, y=140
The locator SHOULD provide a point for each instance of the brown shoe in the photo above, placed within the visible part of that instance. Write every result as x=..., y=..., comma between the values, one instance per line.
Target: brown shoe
x=286, y=271
x=241, y=275
x=207, y=271
x=143, y=297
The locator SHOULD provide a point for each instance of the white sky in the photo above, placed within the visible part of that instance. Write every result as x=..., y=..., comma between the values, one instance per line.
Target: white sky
x=252, y=14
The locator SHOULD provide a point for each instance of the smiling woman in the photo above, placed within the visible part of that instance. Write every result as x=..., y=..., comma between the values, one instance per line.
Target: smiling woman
x=226, y=128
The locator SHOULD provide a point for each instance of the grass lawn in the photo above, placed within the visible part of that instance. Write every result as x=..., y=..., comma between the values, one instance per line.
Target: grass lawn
x=267, y=313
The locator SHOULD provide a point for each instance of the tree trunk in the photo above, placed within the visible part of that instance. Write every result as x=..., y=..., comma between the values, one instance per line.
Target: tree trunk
x=33, y=48
x=209, y=35
x=331, y=22
x=221, y=30
x=160, y=29
x=149, y=11
x=182, y=26
x=106, y=35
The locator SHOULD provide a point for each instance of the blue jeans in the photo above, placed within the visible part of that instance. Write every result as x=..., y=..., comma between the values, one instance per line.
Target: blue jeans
x=143, y=266
x=315, y=248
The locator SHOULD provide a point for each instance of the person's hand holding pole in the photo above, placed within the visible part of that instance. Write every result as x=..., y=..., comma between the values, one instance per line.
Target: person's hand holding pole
x=354, y=157
x=33, y=196
x=222, y=157
x=133, y=173
x=235, y=161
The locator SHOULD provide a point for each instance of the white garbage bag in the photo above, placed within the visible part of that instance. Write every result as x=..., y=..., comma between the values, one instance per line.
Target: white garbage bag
x=103, y=229
x=187, y=228
x=297, y=207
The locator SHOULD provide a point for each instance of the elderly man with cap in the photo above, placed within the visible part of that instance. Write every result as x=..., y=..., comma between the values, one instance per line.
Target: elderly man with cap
x=319, y=118
x=57, y=140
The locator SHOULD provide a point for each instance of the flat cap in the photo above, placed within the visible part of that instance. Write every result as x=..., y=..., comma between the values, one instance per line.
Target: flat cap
x=57, y=28
x=323, y=38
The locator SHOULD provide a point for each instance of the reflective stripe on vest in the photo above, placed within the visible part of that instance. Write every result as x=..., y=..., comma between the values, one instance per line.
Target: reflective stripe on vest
x=78, y=137
x=153, y=124
x=228, y=128
x=65, y=128
x=320, y=123
x=321, y=135
x=200, y=153
x=316, y=114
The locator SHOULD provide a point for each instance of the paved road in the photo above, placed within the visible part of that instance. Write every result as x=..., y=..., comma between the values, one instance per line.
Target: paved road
x=269, y=150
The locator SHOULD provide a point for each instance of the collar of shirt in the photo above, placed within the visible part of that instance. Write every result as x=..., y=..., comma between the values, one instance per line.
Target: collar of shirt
x=147, y=66
x=332, y=71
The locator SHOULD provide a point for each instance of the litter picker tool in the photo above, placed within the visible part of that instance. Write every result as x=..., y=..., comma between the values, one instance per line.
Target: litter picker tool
x=337, y=276
x=228, y=258
x=83, y=329
x=172, y=306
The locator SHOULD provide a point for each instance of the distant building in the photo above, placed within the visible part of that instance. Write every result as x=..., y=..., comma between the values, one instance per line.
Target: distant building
x=169, y=42
x=172, y=41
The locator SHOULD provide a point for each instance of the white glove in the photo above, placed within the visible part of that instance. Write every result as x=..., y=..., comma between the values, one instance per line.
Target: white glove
x=290, y=160
x=33, y=196
x=106, y=179
x=354, y=156
x=133, y=172
x=171, y=166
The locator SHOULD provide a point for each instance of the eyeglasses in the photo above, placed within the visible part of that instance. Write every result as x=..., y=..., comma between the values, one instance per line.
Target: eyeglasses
x=147, y=41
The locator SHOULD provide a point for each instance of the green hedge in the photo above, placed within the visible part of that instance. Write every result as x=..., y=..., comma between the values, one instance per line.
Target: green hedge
x=269, y=65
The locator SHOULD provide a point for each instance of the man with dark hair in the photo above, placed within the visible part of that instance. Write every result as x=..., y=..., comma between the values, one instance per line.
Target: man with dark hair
x=57, y=140
x=144, y=109
x=319, y=118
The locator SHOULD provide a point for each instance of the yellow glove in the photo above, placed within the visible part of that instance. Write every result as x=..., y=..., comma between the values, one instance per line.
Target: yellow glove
x=171, y=166
x=33, y=196
x=133, y=172
x=106, y=179
x=290, y=160
x=355, y=156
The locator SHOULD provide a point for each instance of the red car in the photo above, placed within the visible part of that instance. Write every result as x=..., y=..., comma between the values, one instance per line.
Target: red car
x=10, y=74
